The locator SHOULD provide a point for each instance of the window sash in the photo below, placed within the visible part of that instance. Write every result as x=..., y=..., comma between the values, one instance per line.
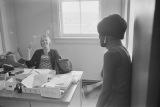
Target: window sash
x=81, y=32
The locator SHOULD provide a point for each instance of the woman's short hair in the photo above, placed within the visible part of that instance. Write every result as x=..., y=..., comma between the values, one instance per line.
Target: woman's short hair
x=45, y=36
x=113, y=25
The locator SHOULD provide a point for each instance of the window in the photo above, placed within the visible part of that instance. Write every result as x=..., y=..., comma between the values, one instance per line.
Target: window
x=79, y=18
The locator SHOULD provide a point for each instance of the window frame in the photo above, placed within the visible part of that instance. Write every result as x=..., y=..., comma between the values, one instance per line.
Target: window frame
x=83, y=38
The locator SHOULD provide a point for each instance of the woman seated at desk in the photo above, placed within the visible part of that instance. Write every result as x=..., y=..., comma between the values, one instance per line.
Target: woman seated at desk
x=44, y=58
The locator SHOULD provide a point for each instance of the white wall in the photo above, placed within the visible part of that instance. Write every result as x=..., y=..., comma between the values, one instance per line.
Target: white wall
x=35, y=16
x=1, y=47
x=1, y=36
x=8, y=25
x=110, y=7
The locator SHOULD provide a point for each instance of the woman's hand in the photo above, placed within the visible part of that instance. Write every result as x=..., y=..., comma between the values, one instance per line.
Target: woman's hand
x=29, y=49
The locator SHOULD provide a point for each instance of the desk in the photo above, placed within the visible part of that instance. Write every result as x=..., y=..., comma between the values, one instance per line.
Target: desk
x=72, y=98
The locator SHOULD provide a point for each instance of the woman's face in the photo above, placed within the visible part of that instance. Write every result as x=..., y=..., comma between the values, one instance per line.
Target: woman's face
x=102, y=40
x=45, y=42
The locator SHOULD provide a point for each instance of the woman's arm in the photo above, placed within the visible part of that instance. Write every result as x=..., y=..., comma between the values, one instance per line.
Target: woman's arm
x=33, y=61
x=111, y=61
x=57, y=55
x=54, y=60
x=22, y=60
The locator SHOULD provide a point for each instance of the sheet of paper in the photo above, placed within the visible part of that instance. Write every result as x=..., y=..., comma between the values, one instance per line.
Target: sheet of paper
x=40, y=79
x=27, y=71
x=11, y=80
x=28, y=81
x=1, y=69
x=36, y=77
x=23, y=75
x=63, y=81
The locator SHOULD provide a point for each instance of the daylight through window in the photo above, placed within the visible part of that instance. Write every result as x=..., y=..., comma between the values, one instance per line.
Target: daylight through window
x=79, y=17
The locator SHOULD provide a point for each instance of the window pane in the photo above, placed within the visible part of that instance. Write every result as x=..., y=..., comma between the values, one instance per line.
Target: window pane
x=71, y=17
x=79, y=17
x=89, y=16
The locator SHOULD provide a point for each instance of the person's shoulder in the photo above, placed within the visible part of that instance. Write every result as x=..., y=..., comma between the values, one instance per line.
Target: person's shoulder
x=39, y=50
x=53, y=50
x=116, y=51
x=111, y=52
x=112, y=55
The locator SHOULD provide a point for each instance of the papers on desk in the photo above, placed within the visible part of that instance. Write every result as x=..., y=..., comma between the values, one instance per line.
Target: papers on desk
x=1, y=69
x=37, y=82
x=57, y=86
x=28, y=81
x=41, y=80
x=63, y=81
x=21, y=76
x=44, y=82
x=10, y=84
x=37, y=77
x=28, y=72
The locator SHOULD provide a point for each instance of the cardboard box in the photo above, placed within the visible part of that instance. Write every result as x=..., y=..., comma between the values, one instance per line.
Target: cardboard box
x=10, y=85
x=51, y=92
x=2, y=84
x=31, y=90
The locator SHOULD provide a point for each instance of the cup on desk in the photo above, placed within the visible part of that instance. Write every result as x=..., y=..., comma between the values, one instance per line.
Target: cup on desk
x=2, y=84
x=4, y=76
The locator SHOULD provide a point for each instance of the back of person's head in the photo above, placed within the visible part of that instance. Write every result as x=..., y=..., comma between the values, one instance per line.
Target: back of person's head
x=113, y=25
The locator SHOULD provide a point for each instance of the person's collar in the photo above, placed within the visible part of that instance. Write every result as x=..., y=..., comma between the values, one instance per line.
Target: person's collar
x=114, y=43
x=47, y=50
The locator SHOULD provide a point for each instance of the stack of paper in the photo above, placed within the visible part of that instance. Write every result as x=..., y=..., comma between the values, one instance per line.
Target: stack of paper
x=57, y=86
x=28, y=81
x=63, y=81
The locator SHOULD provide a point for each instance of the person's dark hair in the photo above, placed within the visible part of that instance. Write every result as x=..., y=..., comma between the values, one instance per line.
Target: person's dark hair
x=113, y=25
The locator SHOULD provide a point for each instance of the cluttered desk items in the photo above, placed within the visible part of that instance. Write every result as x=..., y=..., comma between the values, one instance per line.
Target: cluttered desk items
x=44, y=82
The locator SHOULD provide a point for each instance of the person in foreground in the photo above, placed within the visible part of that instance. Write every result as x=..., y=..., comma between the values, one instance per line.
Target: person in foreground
x=116, y=88
x=44, y=58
